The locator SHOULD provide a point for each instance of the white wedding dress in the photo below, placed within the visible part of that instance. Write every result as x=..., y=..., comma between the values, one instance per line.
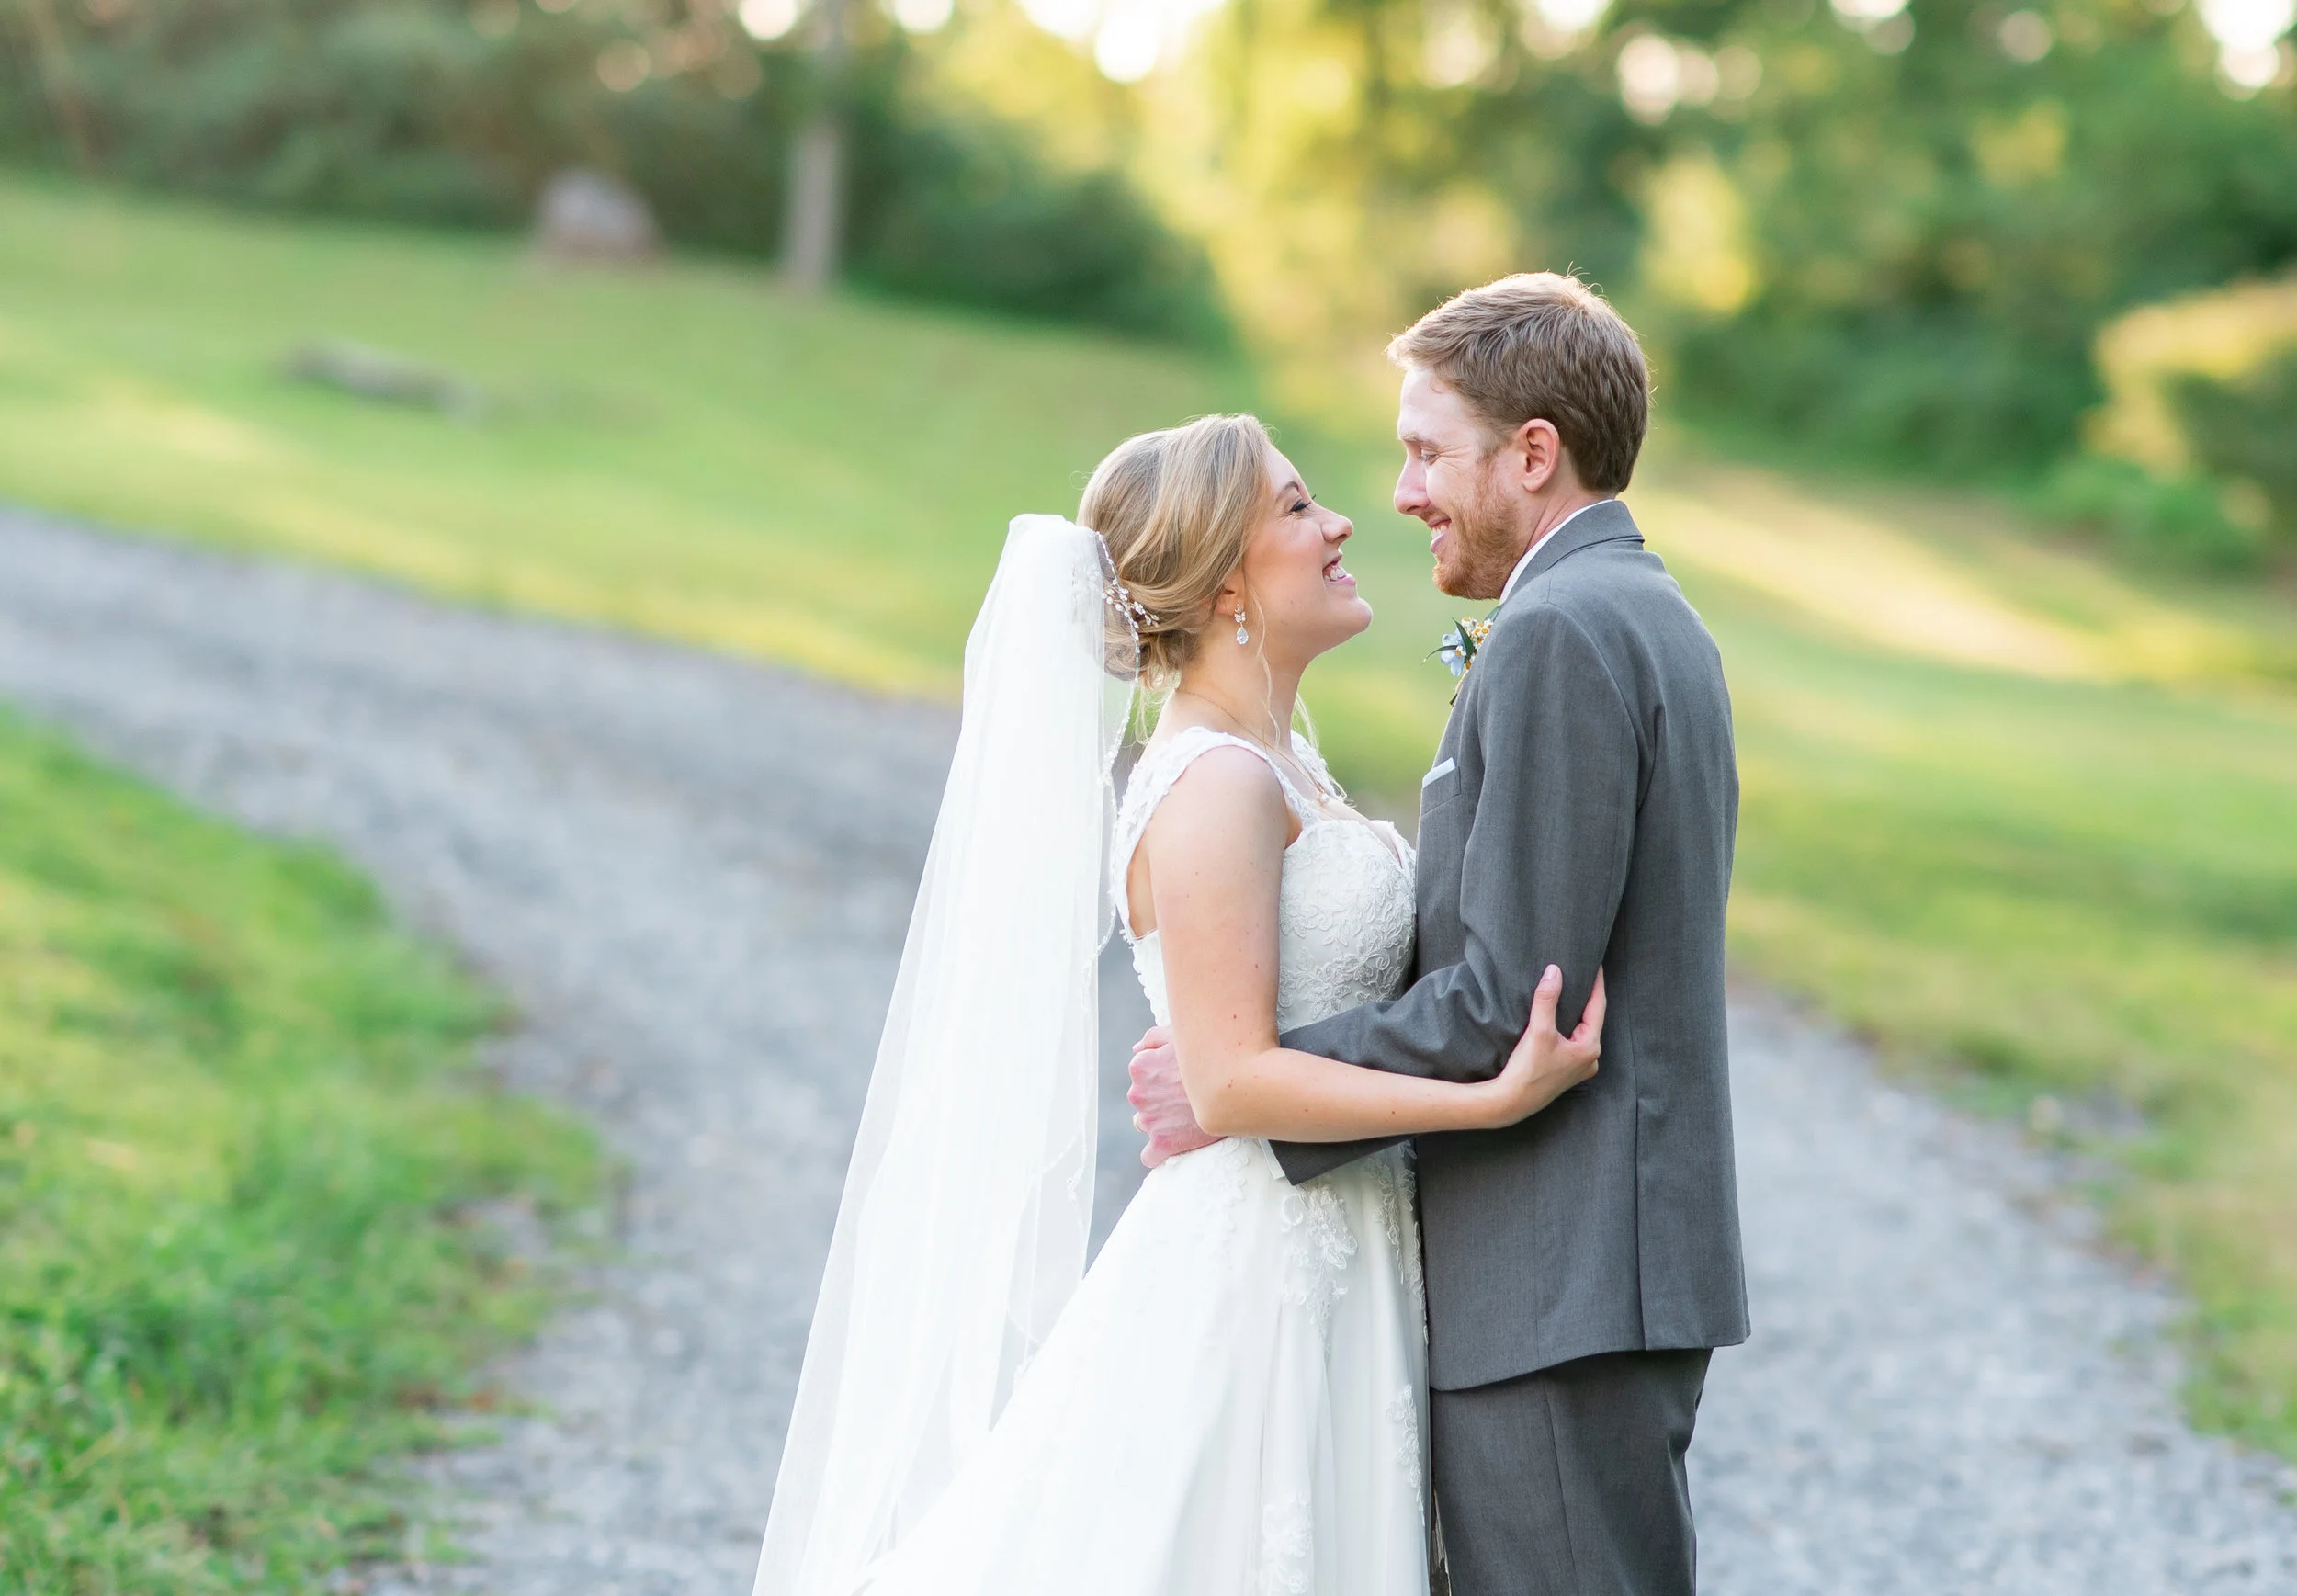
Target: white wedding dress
x=1234, y=1400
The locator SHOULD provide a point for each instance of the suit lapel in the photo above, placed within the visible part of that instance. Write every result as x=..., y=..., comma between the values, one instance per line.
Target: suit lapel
x=1608, y=522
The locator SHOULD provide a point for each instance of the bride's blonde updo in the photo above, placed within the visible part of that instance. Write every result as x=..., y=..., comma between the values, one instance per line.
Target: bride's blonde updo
x=1176, y=507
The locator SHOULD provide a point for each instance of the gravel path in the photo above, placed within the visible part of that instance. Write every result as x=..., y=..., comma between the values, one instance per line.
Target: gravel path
x=693, y=876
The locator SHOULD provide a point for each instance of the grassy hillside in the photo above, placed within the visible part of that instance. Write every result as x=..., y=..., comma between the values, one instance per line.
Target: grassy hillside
x=241, y=1145
x=680, y=450
x=2024, y=817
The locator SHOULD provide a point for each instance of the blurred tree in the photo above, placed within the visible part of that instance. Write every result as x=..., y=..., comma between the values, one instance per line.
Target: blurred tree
x=813, y=232
x=1948, y=203
x=2244, y=435
x=1351, y=161
x=1890, y=228
x=56, y=72
x=2194, y=453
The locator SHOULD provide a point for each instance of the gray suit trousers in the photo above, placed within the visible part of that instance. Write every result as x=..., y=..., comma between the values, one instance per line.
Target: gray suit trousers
x=1570, y=1481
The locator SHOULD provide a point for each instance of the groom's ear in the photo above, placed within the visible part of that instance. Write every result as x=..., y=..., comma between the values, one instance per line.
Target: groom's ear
x=1536, y=451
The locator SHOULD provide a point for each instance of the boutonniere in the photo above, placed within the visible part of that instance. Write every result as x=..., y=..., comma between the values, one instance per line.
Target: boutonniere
x=1458, y=649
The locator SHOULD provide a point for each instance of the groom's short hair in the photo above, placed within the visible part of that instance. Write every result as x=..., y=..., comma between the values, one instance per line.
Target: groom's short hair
x=1542, y=346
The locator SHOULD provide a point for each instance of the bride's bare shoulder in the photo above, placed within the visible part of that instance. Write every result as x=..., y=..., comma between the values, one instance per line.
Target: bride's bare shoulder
x=1222, y=786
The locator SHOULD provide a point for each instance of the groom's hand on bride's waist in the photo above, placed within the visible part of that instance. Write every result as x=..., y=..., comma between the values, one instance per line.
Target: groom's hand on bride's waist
x=1159, y=1100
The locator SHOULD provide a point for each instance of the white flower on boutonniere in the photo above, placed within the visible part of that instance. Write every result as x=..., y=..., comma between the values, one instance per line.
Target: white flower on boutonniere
x=1457, y=648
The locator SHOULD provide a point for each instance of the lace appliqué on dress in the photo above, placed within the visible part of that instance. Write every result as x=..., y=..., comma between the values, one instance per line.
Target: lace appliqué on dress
x=1287, y=1546
x=1403, y=1413
x=1233, y=1160
x=1399, y=1222
x=1347, y=919
x=1317, y=1255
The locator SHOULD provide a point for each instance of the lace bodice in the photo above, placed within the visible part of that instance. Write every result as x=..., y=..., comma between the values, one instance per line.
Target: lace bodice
x=1344, y=917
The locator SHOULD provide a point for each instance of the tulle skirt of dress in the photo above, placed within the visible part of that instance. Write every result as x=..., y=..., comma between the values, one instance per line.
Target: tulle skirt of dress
x=1231, y=1405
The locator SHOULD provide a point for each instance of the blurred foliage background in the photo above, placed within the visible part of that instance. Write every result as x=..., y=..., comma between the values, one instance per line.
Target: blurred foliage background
x=429, y=112
x=1896, y=230
x=1976, y=334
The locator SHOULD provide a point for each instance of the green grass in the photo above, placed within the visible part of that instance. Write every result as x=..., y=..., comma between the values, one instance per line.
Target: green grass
x=2027, y=819
x=242, y=1148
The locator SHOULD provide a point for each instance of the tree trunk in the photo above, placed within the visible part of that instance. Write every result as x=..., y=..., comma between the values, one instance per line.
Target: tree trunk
x=813, y=223
x=63, y=95
x=814, y=226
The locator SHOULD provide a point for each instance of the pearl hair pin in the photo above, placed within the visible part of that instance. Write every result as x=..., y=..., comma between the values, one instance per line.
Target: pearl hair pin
x=1122, y=597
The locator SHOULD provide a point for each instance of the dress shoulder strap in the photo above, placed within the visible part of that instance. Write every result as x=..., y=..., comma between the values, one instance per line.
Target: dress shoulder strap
x=1311, y=759
x=1159, y=767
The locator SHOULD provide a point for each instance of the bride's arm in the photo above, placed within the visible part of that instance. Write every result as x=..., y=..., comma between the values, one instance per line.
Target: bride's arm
x=1216, y=856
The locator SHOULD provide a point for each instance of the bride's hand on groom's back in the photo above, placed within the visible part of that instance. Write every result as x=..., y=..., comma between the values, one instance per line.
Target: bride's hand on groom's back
x=1547, y=1064
x=1160, y=1102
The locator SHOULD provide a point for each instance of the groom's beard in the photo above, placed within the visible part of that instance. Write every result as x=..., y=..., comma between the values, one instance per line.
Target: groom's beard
x=1483, y=548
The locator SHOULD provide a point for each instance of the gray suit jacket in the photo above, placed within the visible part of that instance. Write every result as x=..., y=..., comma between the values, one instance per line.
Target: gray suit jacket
x=1585, y=815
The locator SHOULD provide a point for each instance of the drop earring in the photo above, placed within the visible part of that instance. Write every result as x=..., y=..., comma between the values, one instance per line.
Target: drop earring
x=1242, y=637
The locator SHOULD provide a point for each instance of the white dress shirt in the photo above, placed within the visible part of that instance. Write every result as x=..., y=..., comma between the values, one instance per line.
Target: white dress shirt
x=1516, y=575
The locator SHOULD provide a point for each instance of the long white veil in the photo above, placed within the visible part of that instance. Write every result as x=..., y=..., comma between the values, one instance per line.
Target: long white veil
x=963, y=1228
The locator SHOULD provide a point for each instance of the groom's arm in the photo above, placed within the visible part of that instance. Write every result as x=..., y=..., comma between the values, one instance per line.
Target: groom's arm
x=1541, y=879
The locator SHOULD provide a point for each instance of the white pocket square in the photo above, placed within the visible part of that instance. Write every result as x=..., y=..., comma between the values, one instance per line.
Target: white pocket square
x=1444, y=769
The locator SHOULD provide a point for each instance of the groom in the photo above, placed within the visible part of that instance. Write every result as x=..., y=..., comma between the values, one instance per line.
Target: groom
x=1581, y=812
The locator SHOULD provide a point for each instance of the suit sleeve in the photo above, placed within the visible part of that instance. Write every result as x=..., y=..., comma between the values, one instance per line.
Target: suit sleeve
x=1543, y=869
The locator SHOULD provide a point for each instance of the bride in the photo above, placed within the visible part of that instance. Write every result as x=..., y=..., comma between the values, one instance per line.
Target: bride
x=1233, y=1398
